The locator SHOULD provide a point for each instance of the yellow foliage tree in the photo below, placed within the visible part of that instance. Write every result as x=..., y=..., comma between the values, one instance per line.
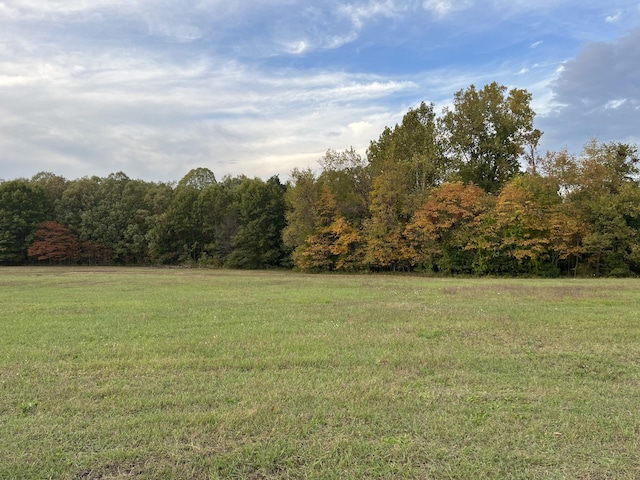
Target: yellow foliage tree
x=440, y=231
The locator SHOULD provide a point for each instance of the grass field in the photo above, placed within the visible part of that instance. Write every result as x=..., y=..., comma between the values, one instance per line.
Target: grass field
x=205, y=374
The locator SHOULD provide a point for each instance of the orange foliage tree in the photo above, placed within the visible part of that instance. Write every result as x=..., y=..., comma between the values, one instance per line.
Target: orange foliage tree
x=335, y=243
x=441, y=230
x=385, y=243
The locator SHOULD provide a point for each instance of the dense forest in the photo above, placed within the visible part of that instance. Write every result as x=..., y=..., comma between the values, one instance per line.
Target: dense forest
x=462, y=192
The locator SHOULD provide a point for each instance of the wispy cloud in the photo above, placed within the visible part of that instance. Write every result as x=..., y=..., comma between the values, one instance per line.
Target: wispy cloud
x=613, y=18
x=442, y=8
x=615, y=104
x=361, y=12
x=129, y=112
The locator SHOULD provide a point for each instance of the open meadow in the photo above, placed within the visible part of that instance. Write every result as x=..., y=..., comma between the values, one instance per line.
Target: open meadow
x=204, y=374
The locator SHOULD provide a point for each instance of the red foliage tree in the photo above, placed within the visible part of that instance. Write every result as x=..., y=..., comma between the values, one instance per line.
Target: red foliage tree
x=54, y=243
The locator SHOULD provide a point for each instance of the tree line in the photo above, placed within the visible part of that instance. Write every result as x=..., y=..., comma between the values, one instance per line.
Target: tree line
x=462, y=192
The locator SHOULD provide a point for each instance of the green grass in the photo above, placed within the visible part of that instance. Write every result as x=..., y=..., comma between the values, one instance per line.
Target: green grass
x=205, y=374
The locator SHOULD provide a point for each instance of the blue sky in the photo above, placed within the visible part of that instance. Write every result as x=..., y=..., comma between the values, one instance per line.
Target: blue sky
x=154, y=88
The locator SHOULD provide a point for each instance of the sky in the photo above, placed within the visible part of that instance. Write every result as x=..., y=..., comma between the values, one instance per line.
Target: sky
x=154, y=88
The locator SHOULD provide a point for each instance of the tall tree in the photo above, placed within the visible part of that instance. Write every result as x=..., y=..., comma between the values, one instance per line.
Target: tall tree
x=560, y=168
x=607, y=177
x=258, y=242
x=524, y=209
x=22, y=207
x=335, y=243
x=385, y=246
x=185, y=222
x=441, y=231
x=300, y=198
x=406, y=163
x=197, y=178
x=345, y=173
x=413, y=147
x=79, y=198
x=607, y=167
x=52, y=185
x=486, y=131
x=157, y=199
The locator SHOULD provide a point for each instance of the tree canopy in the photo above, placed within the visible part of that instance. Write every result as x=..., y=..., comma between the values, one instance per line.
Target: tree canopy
x=463, y=191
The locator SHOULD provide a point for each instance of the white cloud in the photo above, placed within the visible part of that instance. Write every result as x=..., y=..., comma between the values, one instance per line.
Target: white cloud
x=92, y=115
x=358, y=127
x=615, y=104
x=442, y=8
x=358, y=14
x=337, y=41
x=179, y=33
x=296, y=48
x=613, y=18
x=38, y=9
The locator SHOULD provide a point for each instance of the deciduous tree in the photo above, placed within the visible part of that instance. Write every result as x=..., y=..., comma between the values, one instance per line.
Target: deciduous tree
x=301, y=198
x=441, y=231
x=54, y=243
x=385, y=245
x=345, y=173
x=22, y=207
x=258, y=242
x=486, y=131
x=523, y=219
x=316, y=253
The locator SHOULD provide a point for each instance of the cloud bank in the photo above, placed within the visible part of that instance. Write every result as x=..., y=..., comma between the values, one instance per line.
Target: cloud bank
x=597, y=95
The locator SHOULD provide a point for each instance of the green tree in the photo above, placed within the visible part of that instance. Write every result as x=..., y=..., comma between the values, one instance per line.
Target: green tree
x=607, y=167
x=136, y=209
x=406, y=162
x=345, y=173
x=78, y=199
x=486, y=131
x=185, y=217
x=258, y=242
x=608, y=237
x=561, y=169
x=52, y=185
x=117, y=213
x=22, y=207
x=197, y=179
x=117, y=217
x=414, y=148
x=605, y=195
x=158, y=198
x=300, y=199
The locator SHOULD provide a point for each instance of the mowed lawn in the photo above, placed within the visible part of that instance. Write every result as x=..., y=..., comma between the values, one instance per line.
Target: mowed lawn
x=204, y=374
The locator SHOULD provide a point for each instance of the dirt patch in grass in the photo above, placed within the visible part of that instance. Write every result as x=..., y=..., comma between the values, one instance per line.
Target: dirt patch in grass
x=111, y=471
